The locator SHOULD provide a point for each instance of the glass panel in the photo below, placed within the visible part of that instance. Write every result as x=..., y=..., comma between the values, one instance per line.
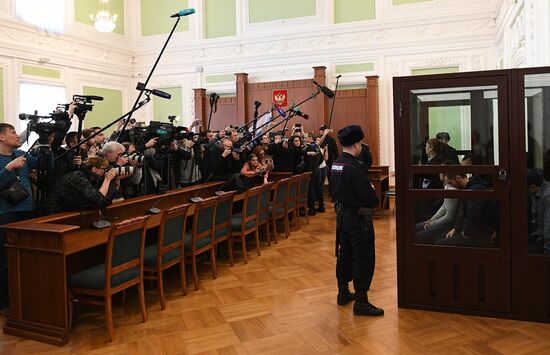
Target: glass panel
x=537, y=115
x=455, y=125
x=467, y=222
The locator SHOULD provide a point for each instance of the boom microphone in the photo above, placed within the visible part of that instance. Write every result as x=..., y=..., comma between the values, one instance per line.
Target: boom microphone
x=184, y=12
x=299, y=112
x=281, y=112
x=328, y=93
x=160, y=93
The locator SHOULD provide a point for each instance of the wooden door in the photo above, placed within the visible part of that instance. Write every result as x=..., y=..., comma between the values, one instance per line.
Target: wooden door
x=471, y=272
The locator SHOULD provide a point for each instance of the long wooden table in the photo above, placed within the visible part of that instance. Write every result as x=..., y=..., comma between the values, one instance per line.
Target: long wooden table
x=43, y=251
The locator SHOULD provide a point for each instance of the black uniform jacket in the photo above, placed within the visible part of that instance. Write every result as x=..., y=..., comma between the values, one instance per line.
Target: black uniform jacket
x=351, y=185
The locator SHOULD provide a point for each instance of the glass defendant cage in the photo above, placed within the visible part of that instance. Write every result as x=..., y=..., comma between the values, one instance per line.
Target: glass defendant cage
x=470, y=226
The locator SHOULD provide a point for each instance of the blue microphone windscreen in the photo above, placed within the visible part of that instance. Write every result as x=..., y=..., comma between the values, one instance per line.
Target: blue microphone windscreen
x=186, y=12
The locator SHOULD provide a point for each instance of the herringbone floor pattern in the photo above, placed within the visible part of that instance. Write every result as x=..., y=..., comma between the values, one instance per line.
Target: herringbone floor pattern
x=284, y=302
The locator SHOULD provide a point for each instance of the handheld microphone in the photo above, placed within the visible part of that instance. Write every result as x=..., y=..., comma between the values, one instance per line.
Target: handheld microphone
x=281, y=112
x=184, y=12
x=326, y=91
x=89, y=97
x=299, y=112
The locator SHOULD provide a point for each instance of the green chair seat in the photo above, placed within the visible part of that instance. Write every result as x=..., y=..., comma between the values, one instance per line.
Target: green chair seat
x=200, y=243
x=150, y=255
x=291, y=204
x=236, y=223
x=221, y=232
x=94, y=277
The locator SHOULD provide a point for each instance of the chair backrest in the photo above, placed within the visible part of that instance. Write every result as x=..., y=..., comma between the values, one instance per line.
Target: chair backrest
x=265, y=196
x=304, y=185
x=224, y=210
x=293, y=188
x=251, y=204
x=172, y=228
x=125, y=247
x=281, y=188
x=203, y=219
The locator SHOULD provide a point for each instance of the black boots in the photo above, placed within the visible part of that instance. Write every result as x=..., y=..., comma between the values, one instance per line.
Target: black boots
x=344, y=296
x=363, y=307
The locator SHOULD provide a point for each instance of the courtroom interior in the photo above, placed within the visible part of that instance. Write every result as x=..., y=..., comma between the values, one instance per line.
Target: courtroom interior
x=182, y=176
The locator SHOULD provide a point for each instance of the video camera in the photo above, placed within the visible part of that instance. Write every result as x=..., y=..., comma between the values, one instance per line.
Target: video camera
x=57, y=121
x=166, y=133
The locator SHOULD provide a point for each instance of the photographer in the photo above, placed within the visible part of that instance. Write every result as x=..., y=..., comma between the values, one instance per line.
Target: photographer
x=15, y=193
x=253, y=172
x=118, y=157
x=224, y=162
x=312, y=160
x=188, y=171
x=93, y=187
x=281, y=154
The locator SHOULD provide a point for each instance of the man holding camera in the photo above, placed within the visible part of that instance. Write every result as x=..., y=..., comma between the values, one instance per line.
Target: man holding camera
x=224, y=161
x=15, y=193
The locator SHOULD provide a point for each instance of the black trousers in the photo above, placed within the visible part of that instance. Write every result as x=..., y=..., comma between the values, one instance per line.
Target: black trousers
x=356, y=257
x=5, y=219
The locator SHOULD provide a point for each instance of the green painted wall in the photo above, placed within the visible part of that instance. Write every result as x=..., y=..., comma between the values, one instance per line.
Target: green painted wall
x=354, y=68
x=155, y=16
x=270, y=10
x=219, y=78
x=43, y=72
x=83, y=9
x=449, y=119
x=439, y=70
x=1, y=94
x=404, y=2
x=163, y=108
x=354, y=10
x=220, y=18
x=104, y=111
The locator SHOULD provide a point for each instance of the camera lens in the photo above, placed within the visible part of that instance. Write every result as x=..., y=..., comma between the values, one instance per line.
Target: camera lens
x=136, y=157
x=121, y=170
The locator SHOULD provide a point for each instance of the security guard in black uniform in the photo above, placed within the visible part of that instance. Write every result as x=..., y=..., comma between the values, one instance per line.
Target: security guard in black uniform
x=354, y=198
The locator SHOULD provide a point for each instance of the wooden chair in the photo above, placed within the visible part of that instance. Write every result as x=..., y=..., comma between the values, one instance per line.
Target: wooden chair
x=222, y=224
x=200, y=239
x=246, y=222
x=292, y=199
x=171, y=238
x=305, y=179
x=123, y=268
x=277, y=209
x=263, y=209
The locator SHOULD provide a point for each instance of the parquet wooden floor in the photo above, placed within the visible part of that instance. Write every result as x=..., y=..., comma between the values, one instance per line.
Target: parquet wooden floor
x=284, y=302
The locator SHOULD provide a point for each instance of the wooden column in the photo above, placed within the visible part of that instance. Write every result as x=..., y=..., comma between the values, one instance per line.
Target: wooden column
x=373, y=134
x=200, y=107
x=321, y=101
x=242, y=98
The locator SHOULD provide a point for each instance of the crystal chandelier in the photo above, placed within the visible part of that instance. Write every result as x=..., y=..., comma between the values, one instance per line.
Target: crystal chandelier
x=103, y=21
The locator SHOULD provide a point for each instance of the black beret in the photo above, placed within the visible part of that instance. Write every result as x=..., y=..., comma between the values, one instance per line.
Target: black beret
x=349, y=135
x=443, y=135
x=323, y=127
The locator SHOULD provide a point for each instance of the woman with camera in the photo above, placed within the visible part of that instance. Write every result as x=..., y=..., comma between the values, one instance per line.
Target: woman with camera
x=253, y=172
x=90, y=188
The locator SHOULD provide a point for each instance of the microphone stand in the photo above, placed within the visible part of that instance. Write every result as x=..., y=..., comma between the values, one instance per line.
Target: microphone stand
x=213, y=108
x=312, y=96
x=140, y=104
x=143, y=88
x=334, y=100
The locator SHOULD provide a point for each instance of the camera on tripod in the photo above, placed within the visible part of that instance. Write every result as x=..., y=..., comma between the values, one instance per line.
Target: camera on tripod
x=57, y=121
